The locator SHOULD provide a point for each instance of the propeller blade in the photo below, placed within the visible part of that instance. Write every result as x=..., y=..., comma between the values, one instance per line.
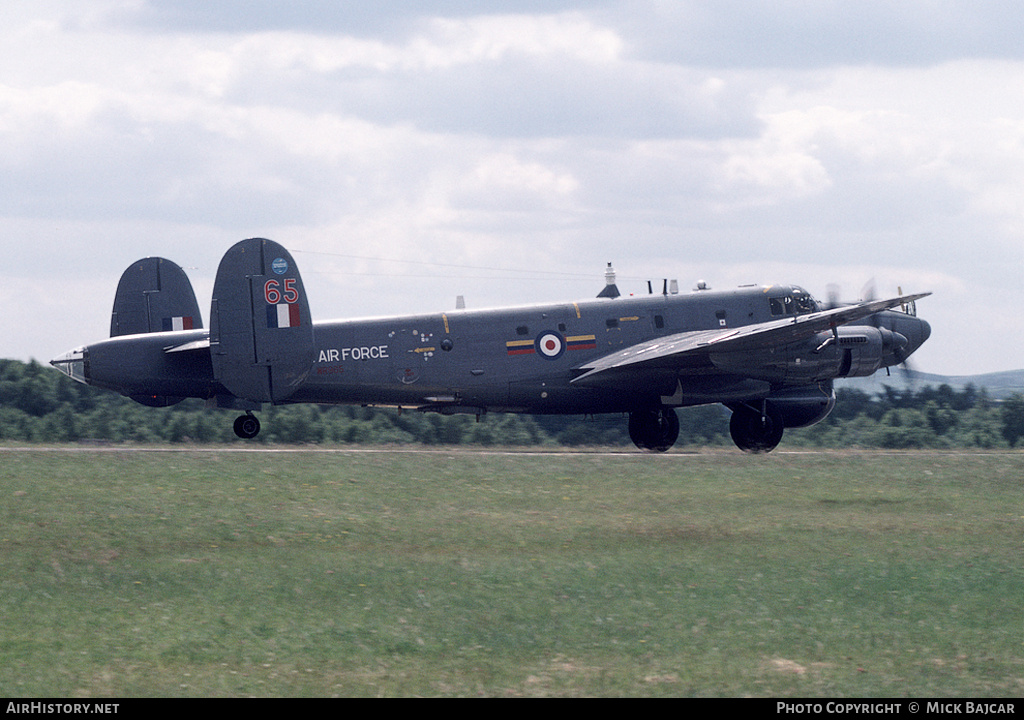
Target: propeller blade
x=834, y=295
x=868, y=293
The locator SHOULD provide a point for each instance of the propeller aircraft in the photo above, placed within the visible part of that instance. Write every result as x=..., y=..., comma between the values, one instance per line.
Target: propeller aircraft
x=768, y=353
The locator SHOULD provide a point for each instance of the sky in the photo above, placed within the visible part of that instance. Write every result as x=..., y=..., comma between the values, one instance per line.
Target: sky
x=410, y=152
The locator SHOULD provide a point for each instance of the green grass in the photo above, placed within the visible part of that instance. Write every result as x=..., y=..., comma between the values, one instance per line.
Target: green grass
x=217, y=572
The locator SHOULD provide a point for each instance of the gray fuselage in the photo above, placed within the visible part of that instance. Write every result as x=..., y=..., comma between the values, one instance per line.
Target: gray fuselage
x=520, y=359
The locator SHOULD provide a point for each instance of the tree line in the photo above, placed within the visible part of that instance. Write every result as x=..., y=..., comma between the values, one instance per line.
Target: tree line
x=38, y=404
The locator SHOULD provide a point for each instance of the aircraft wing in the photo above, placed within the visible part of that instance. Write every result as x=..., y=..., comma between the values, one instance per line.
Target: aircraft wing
x=690, y=349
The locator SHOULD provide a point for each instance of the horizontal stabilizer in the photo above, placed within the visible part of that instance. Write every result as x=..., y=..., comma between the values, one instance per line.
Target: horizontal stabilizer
x=194, y=346
x=154, y=295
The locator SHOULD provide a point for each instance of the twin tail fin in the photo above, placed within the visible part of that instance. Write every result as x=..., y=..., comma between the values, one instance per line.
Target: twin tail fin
x=154, y=295
x=261, y=332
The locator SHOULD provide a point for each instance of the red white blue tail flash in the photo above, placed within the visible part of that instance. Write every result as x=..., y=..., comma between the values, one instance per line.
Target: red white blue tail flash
x=283, y=315
x=177, y=323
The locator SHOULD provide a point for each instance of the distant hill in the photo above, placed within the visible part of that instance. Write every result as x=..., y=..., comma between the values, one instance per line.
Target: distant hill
x=1000, y=385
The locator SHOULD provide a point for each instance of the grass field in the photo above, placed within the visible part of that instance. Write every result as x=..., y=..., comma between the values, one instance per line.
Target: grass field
x=395, y=573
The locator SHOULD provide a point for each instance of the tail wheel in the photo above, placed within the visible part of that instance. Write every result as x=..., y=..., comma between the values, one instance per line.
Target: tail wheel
x=654, y=430
x=247, y=426
x=755, y=431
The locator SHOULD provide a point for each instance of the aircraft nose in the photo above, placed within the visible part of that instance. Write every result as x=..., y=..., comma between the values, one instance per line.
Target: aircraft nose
x=917, y=331
x=924, y=331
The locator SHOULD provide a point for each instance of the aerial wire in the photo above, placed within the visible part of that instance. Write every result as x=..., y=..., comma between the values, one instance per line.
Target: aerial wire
x=533, y=271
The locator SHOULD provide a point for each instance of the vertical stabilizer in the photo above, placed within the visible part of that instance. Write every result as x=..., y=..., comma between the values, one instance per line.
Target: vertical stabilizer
x=261, y=332
x=154, y=295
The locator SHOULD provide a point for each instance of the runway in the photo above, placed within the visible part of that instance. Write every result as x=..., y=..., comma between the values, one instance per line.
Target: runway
x=481, y=451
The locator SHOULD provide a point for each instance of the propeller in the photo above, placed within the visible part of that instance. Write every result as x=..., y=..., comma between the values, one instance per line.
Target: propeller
x=869, y=292
x=899, y=352
x=834, y=294
x=897, y=343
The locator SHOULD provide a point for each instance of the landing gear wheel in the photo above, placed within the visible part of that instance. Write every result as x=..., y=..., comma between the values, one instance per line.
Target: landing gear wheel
x=754, y=431
x=654, y=430
x=247, y=426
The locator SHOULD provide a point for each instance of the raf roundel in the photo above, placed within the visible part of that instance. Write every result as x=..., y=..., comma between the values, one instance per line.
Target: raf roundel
x=550, y=345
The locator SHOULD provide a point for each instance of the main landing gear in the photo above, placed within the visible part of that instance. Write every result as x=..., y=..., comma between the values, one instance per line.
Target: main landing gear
x=247, y=426
x=654, y=430
x=756, y=430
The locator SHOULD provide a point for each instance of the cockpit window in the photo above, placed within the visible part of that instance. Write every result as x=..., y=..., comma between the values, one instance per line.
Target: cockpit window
x=804, y=302
x=795, y=302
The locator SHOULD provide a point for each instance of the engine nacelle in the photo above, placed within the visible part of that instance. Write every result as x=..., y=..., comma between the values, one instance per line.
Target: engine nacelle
x=853, y=351
x=860, y=350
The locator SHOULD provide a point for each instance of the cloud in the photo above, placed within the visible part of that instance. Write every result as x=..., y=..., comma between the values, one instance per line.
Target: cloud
x=807, y=34
x=754, y=142
x=385, y=18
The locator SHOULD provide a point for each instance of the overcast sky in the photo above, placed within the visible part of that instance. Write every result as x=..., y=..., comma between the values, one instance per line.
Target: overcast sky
x=408, y=152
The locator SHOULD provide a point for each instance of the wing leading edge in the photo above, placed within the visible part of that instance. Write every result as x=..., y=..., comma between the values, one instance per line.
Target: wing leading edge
x=686, y=349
